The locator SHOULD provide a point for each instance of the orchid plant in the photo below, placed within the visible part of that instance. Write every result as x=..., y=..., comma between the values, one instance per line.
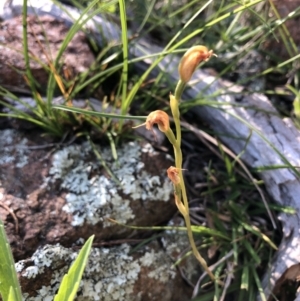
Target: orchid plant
x=188, y=64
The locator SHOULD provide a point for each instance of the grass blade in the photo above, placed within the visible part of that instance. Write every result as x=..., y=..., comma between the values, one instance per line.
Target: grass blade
x=9, y=285
x=251, y=251
x=258, y=284
x=125, y=55
x=70, y=283
x=245, y=278
x=12, y=295
x=99, y=114
x=196, y=229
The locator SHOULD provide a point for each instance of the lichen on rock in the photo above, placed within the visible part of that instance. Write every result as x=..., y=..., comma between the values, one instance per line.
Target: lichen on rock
x=111, y=273
x=163, y=271
x=93, y=196
x=13, y=149
x=175, y=243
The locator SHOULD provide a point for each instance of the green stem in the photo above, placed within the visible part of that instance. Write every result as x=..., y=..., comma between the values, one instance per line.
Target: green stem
x=179, y=89
x=178, y=163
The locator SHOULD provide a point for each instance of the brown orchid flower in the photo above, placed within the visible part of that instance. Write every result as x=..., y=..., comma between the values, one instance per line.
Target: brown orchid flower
x=158, y=117
x=173, y=175
x=191, y=59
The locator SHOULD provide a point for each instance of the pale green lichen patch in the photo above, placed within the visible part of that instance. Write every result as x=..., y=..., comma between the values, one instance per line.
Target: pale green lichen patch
x=175, y=243
x=162, y=268
x=111, y=273
x=14, y=149
x=92, y=195
x=174, y=240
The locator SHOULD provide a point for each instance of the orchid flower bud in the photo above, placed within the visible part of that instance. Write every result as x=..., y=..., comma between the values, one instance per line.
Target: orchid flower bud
x=190, y=61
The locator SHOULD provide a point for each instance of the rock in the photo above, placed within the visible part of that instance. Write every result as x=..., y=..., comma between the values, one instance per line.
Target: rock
x=175, y=243
x=111, y=274
x=45, y=37
x=61, y=197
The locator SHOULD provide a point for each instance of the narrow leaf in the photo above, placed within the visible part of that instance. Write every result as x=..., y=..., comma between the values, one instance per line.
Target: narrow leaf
x=99, y=114
x=245, y=278
x=70, y=283
x=252, y=252
x=258, y=283
x=12, y=295
x=195, y=229
x=8, y=275
x=256, y=231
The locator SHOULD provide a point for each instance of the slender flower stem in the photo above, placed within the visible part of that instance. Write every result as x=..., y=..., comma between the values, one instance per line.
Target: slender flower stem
x=179, y=89
x=178, y=164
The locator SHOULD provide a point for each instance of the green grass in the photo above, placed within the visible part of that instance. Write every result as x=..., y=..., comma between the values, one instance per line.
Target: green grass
x=176, y=25
x=232, y=206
